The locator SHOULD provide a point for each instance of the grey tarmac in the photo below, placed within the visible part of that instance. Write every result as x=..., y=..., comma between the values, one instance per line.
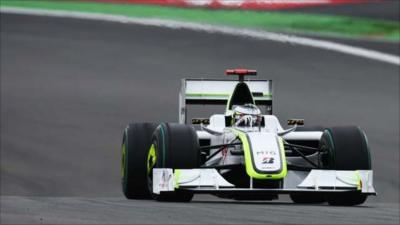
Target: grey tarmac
x=69, y=87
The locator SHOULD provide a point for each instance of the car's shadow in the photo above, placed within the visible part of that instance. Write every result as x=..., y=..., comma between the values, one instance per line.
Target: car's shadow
x=274, y=202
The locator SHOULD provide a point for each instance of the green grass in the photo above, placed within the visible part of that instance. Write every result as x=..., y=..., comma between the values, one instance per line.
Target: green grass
x=271, y=21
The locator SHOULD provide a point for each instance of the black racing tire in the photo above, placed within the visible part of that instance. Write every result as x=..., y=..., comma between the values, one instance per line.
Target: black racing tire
x=136, y=142
x=177, y=147
x=346, y=148
x=308, y=198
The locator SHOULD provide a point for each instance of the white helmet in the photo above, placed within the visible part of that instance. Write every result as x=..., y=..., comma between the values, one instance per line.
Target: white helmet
x=246, y=115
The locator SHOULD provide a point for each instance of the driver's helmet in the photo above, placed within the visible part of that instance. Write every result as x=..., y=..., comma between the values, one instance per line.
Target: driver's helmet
x=246, y=115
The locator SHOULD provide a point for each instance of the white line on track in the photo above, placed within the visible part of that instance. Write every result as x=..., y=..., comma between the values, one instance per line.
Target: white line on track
x=261, y=35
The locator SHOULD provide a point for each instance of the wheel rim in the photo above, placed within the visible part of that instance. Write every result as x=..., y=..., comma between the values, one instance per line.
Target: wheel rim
x=151, y=163
x=123, y=161
x=124, y=165
x=327, y=156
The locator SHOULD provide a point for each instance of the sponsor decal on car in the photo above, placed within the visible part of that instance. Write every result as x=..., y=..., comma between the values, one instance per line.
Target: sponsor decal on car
x=267, y=160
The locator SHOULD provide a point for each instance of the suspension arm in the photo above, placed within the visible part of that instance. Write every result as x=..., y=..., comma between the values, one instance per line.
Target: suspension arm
x=302, y=147
x=303, y=156
x=219, y=146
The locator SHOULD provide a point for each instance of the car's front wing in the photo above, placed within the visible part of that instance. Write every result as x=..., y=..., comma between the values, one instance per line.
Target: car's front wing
x=210, y=181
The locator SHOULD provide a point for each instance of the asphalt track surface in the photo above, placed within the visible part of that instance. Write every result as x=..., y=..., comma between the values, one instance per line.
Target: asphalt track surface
x=69, y=87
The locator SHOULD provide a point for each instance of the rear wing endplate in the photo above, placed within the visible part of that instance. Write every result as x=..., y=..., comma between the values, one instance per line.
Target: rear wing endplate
x=217, y=92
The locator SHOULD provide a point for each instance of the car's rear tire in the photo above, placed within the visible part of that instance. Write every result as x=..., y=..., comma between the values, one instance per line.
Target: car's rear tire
x=135, y=145
x=308, y=198
x=346, y=148
x=175, y=146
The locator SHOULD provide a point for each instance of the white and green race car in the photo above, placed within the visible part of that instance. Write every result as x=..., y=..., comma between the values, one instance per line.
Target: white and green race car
x=244, y=153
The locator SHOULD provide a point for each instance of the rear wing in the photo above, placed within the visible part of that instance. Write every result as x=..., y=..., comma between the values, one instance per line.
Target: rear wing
x=218, y=92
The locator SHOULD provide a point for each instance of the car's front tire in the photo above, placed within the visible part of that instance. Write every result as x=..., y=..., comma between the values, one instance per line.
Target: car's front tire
x=135, y=145
x=173, y=146
x=346, y=148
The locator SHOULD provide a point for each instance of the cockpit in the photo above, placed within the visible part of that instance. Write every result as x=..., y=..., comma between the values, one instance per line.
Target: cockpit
x=247, y=115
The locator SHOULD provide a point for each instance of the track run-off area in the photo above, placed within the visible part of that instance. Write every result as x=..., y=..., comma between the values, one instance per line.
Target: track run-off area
x=69, y=87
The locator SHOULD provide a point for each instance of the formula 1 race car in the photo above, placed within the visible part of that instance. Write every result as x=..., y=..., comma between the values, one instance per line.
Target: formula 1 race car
x=243, y=154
